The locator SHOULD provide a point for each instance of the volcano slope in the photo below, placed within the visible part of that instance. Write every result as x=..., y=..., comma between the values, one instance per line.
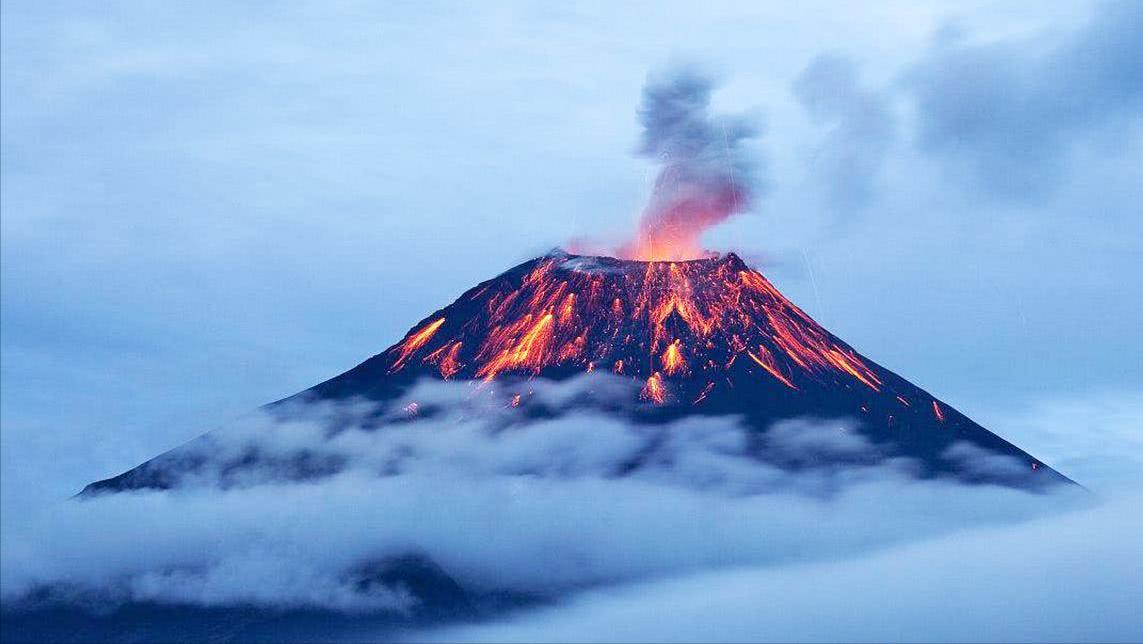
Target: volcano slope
x=708, y=337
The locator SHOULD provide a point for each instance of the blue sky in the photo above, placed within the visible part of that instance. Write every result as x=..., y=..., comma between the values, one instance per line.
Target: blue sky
x=210, y=206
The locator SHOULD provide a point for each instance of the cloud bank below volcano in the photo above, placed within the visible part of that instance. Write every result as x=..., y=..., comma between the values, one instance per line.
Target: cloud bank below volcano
x=543, y=508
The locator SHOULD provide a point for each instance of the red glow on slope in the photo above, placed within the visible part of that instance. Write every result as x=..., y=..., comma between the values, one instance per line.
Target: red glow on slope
x=650, y=320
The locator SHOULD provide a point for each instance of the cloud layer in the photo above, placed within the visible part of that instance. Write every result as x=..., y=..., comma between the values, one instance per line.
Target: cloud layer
x=1064, y=579
x=543, y=508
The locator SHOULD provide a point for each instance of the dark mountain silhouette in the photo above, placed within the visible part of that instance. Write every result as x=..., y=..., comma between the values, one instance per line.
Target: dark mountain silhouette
x=708, y=337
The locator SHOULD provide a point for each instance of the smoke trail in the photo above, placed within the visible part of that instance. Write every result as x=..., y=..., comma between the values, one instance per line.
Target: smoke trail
x=705, y=176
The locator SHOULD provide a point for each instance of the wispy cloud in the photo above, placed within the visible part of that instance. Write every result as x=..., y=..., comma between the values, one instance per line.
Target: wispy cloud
x=1012, y=111
x=1063, y=579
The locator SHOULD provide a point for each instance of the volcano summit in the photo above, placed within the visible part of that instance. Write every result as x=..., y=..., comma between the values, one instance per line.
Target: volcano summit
x=707, y=337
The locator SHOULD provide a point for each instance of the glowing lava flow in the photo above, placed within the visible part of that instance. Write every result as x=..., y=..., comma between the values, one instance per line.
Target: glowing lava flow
x=673, y=359
x=525, y=344
x=415, y=341
x=652, y=321
x=654, y=390
x=769, y=365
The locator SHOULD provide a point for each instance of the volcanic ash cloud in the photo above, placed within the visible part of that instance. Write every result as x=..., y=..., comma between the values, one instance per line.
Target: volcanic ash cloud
x=705, y=175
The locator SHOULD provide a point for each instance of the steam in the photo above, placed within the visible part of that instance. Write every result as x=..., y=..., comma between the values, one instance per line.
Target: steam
x=705, y=177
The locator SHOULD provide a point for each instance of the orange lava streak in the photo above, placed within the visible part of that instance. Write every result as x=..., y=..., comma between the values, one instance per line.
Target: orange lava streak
x=853, y=367
x=446, y=358
x=654, y=390
x=802, y=340
x=568, y=308
x=415, y=341
x=938, y=412
x=673, y=361
x=769, y=366
x=529, y=351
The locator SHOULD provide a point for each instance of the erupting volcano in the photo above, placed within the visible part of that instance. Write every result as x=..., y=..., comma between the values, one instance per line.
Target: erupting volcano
x=696, y=333
x=709, y=337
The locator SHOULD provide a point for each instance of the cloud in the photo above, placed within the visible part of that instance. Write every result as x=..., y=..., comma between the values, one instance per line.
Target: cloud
x=1067, y=578
x=1093, y=437
x=861, y=130
x=976, y=461
x=543, y=507
x=1009, y=112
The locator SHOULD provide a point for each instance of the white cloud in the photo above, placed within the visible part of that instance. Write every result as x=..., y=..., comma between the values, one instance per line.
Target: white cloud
x=1094, y=438
x=543, y=507
x=1064, y=579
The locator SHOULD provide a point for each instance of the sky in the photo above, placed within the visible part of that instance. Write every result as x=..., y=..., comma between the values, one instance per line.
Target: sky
x=210, y=206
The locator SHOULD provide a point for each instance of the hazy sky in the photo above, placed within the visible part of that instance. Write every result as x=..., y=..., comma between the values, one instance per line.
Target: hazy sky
x=209, y=206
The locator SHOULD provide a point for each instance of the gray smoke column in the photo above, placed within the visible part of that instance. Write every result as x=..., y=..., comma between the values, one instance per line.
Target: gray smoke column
x=705, y=176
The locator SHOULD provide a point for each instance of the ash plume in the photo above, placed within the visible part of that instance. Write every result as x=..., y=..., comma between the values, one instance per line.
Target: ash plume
x=705, y=176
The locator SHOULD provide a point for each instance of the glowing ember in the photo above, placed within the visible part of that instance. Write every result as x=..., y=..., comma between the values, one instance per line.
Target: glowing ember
x=653, y=390
x=673, y=359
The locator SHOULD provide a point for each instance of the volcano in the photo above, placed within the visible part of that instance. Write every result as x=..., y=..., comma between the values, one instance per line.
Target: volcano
x=709, y=337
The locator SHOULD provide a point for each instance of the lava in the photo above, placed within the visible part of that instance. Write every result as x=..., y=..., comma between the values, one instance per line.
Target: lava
x=415, y=341
x=524, y=344
x=654, y=390
x=446, y=359
x=707, y=337
x=673, y=359
x=938, y=412
x=652, y=321
x=770, y=366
